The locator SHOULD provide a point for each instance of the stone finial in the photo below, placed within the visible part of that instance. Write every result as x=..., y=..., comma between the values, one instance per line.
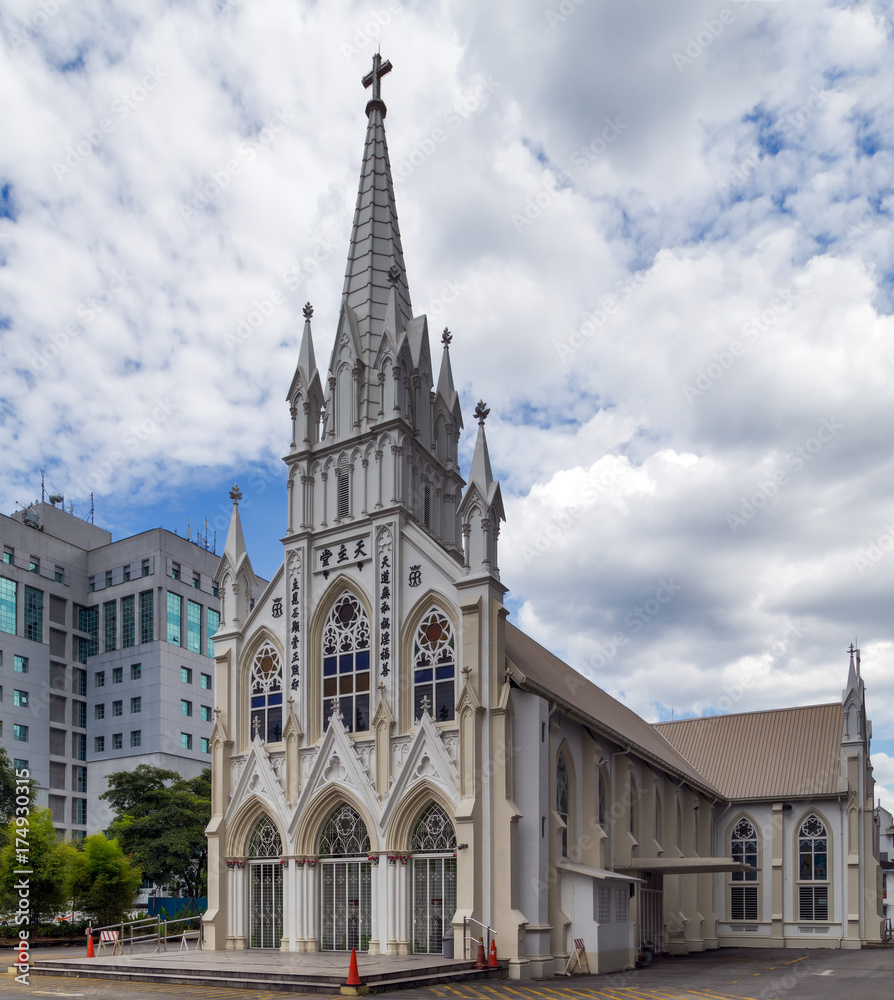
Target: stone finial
x=394, y=274
x=235, y=493
x=308, y=310
x=255, y=727
x=446, y=337
x=481, y=412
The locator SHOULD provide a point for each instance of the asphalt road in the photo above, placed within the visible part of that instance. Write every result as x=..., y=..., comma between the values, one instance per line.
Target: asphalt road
x=729, y=974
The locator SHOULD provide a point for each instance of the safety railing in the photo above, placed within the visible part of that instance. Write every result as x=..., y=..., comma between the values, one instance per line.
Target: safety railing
x=488, y=930
x=155, y=929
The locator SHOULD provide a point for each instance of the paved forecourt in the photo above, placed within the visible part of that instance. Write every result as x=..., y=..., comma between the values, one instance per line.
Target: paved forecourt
x=729, y=974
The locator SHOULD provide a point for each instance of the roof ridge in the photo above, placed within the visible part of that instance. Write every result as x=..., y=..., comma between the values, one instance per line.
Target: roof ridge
x=754, y=711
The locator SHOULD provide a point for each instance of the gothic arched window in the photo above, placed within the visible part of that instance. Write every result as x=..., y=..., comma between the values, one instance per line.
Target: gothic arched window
x=743, y=847
x=562, y=797
x=813, y=867
x=434, y=832
x=344, y=834
x=346, y=674
x=266, y=694
x=265, y=840
x=434, y=667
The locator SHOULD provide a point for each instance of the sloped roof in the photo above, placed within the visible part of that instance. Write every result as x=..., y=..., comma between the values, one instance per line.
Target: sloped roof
x=541, y=672
x=782, y=753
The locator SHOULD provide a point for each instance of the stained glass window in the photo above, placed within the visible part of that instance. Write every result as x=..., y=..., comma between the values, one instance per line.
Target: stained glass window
x=434, y=667
x=346, y=664
x=266, y=694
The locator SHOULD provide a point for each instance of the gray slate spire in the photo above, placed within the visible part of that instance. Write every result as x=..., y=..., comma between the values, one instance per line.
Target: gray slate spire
x=375, y=259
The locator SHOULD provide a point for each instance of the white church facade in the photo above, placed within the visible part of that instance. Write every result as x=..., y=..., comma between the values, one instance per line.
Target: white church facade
x=396, y=766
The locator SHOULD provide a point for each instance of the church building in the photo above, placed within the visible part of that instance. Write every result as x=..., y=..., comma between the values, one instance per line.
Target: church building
x=397, y=768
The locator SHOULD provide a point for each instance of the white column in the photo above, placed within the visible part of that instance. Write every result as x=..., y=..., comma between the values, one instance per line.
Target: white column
x=374, y=903
x=310, y=927
x=403, y=930
x=240, y=927
x=391, y=904
x=300, y=905
x=287, y=941
x=231, y=907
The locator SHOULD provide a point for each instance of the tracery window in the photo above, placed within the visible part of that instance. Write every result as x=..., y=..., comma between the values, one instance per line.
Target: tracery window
x=265, y=840
x=434, y=667
x=266, y=694
x=813, y=866
x=345, y=834
x=434, y=832
x=743, y=848
x=346, y=660
x=562, y=796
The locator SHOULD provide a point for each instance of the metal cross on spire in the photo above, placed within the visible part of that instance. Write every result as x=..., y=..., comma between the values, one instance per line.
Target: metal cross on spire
x=374, y=77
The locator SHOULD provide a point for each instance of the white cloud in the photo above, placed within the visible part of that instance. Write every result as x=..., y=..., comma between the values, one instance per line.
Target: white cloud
x=600, y=228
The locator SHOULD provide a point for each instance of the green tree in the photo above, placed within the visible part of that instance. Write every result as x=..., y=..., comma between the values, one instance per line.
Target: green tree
x=9, y=792
x=160, y=819
x=103, y=880
x=50, y=862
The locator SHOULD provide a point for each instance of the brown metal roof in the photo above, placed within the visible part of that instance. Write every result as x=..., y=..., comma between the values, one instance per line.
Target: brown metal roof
x=775, y=754
x=540, y=671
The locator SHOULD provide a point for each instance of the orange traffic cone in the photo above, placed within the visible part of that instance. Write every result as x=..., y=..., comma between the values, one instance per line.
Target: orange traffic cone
x=353, y=987
x=480, y=960
x=353, y=974
x=494, y=964
x=90, y=952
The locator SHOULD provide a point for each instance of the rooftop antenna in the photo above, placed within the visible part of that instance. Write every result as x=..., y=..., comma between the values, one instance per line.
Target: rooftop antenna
x=92, y=508
x=43, y=486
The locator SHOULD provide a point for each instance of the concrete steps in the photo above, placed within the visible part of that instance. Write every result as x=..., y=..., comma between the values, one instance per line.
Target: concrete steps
x=287, y=980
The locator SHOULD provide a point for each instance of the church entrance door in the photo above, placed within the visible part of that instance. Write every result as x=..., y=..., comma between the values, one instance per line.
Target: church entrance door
x=434, y=902
x=265, y=886
x=345, y=910
x=434, y=879
x=345, y=882
x=266, y=904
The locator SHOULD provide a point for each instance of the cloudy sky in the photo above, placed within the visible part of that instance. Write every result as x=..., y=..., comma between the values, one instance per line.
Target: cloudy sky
x=661, y=234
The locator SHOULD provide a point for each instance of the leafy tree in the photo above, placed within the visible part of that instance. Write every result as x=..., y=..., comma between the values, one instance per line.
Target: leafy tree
x=160, y=819
x=50, y=861
x=103, y=880
x=9, y=792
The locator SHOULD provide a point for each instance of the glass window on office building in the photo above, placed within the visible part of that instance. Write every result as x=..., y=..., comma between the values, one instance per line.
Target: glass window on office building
x=212, y=625
x=79, y=778
x=79, y=811
x=206, y=713
x=175, y=616
x=8, y=594
x=147, y=616
x=193, y=627
x=136, y=705
x=136, y=737
x=206, y=745
x=33, y=614
x=205, y=682
x=117, y=741
x=117, y=675
x=99, y=744
x=110, y=626
x=79, y=746
x=186, y=675
x=20, y=733
x=80, y=682
x=136, y=671
x=20, y=664
x=128, y=621
x=88, y=622
x=186, y=741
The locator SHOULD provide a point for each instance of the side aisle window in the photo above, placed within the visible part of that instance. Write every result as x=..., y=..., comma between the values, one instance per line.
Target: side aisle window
x=434, y=667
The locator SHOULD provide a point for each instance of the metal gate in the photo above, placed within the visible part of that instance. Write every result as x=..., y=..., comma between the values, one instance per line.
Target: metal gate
x=650, y=920
x=266, y=904
x=345, y=908
x=434, y=902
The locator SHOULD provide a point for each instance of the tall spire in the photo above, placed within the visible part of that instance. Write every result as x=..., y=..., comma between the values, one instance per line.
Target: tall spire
x=375, y=258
